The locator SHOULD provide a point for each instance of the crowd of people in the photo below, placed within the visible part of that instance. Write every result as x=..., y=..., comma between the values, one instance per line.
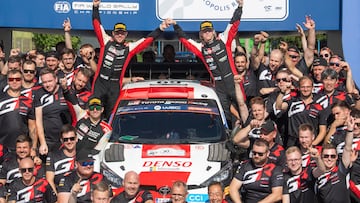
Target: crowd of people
x=295, y=117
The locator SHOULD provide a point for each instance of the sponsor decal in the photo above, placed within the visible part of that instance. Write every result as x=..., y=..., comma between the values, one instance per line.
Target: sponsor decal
x=199, y=147
x=137, y=146
x=165, y=190
x=8, y=105
x=199, y=109
x=162, y=200
x=62, y=7
x=152, y=151
x=197, y=198
x=293, y=183
x=136, y=102
x=166, y=152
x=166, y=165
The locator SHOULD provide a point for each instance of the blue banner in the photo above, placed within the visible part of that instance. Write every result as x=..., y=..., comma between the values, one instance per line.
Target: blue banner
x=350, y=36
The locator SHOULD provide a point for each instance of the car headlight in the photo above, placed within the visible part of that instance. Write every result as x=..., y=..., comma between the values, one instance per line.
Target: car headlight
x=224, y=174
x=114, y=178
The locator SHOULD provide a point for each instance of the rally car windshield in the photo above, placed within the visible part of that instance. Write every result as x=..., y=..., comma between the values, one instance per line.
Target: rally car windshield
x=164, y=122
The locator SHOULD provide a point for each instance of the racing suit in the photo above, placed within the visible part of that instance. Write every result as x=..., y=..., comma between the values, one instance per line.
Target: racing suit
x=113, y=61
x=217, y=57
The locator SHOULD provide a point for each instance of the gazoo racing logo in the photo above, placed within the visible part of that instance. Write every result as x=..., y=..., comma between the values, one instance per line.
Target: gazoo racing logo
x=166, y=165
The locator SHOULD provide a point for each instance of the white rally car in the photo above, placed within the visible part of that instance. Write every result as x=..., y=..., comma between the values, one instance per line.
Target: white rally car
x=168, y=130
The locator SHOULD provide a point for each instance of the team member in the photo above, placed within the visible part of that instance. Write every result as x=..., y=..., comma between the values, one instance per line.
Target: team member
x=298, y=181
x=15, y=111
x=267, y=74
x=306, y=138
x=355, y=169
x=13, y=63
x=29, y=76
x=115, y=56
x=253, y=122
x=178, y=192
x=330, y=95
x=80, y=86
x=216, y=54
x=10, y=167
x=52, y=60
x=29, y=85
x=39, y=59
x=51, y=111
x=86, y=51
x=302, y=109
x=62, y=161
x=77, y=185
x=91, y=129
x=332, y=186
x=67, y=58
x=337, y=131
x=257, y=179
x=283, y=80
x=216, y=193
x=257, y=127
x=29, y=188
x=92, y=132
x=248, y=77
x=267, y=131
x=319, y=65
x=132, y=192
x=101, y=193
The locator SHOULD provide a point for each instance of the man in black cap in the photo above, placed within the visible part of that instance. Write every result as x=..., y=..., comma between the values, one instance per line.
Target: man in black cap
x=216, y=54
x=319, y=65
x=115, y=56
x=52, y=60
x=267, y=131
x=79, y=183
x=299, y=64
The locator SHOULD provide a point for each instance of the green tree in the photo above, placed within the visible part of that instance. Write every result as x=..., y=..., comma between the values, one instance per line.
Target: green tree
x=46, y=42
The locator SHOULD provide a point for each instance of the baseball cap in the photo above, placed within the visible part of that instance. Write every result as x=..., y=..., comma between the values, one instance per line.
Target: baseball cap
x=294, y=48
x=206, y=25
x=120, y=27
x=83, y=155
x=268, y=127
x=319, y=62
x=95, y=101
x=52, y=54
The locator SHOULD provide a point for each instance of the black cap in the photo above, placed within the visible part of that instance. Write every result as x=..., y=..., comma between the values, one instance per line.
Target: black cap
x=83, y=155
x=52, y=54
x=294, y=48
x=267, y=127
x=320, y=61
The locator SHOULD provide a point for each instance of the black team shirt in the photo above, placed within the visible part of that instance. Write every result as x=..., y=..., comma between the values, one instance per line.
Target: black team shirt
x=257, y=182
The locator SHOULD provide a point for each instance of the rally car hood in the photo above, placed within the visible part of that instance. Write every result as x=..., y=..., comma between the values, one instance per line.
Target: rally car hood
x=161, y=165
